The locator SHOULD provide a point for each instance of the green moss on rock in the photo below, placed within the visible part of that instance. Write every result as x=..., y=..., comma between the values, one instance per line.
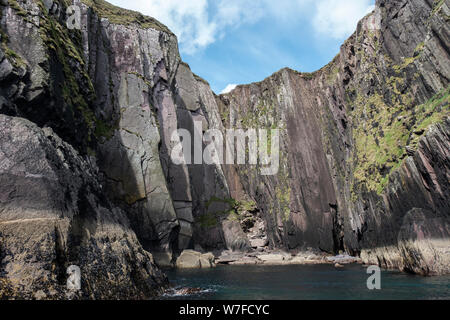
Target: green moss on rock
x=388, y=121
x=208, y=220
x=386, y=132
x=437, y=6
x=117, y=15
x=15, y=59
x=104, y=130
x=19, y=10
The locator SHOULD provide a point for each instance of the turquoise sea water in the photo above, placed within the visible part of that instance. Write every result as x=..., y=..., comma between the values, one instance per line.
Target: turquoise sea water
x=320, y=282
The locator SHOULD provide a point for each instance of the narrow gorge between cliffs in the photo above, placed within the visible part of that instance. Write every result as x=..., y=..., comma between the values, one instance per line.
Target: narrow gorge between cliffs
x=359, y=167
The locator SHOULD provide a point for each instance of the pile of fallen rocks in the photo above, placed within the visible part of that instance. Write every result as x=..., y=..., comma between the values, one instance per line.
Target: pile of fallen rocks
x=190, y=259
x=283, y=258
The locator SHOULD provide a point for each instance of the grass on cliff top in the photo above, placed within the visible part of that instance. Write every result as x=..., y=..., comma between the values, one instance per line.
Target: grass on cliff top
x=117, y=15
x=382, y=140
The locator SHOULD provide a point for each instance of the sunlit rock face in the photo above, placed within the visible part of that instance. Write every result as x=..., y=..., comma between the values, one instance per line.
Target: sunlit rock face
x=115, y=90
x=88, y=116
x=364, y=154
x=55, y=215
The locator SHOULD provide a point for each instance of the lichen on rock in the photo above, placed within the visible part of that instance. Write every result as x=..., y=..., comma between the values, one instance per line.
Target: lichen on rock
x=87, y=120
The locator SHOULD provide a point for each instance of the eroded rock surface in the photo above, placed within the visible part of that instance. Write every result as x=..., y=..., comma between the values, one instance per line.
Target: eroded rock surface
x=190, y=259
x=54, y=214
x=115, y=89
x=361, y=168
x=87, y=179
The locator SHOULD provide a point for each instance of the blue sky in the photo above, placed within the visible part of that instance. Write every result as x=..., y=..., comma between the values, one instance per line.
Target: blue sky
x=230, y=42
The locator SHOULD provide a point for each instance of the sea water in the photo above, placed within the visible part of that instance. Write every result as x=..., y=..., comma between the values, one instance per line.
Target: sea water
x=299, y=282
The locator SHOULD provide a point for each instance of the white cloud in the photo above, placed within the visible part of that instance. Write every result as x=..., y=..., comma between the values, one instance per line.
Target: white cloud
x=229, y=88
x=199, y=23
x=339, y=18
x=189, y=20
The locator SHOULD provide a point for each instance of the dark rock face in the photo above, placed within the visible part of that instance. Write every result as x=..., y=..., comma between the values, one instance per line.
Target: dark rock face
x=114, y=91
x=412, y=221
x=87, y=121
x=360, y=175
x=299, y=200
x=55, y=214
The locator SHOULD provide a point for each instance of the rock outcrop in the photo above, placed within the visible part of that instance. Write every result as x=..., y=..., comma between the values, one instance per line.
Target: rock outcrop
x=190, y=259
x=365, y=152
x=88, y=115
x=55, y=214
x=113, y=89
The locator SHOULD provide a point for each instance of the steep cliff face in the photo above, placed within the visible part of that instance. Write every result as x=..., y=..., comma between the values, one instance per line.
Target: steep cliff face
x=149, y=94
x=88, y=116
x=115, y=89
x=357, y=172
x=403, y=201
x=55, y=214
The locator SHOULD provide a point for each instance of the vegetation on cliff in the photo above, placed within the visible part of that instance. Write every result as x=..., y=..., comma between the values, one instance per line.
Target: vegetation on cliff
x=125, y=17
x=76, y=86
x=389, y=121
x=11, y=55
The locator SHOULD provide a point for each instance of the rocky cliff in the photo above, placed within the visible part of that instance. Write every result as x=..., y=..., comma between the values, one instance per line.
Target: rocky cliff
x=365, y=149
x=87, y=116
x=113, y=89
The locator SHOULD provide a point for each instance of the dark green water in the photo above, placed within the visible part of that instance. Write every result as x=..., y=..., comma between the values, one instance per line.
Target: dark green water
x=322, y=282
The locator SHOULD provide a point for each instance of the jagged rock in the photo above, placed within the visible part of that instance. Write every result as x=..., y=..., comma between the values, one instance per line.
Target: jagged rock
x=5, y=69
x=187, y=88
x=235, y=237
x=143, y=92
x=336, y=195
x=309, y=257
x=58, y=216
x=228, y=257
x=163, y=259
x=343, y=259
x=245, y=261
x=300, y=260
x=422, y=226
x=410, y=151
x=187, y=291
x=247, y=223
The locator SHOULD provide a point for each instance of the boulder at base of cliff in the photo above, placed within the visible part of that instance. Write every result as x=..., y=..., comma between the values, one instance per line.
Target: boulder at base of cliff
x=190, y=259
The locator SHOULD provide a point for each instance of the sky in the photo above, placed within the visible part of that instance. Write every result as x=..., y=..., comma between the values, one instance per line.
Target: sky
x=230, y=42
